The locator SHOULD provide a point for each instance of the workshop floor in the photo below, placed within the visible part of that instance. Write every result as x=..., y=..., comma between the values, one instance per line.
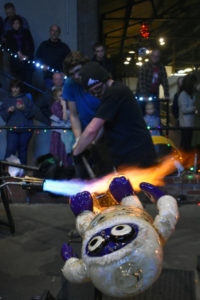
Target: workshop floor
x=30, y=260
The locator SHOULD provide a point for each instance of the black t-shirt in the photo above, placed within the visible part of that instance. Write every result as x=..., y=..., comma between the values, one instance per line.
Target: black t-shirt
x=127, y=135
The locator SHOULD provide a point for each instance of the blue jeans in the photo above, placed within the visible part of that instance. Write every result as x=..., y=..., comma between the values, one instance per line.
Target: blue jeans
x=18, y=142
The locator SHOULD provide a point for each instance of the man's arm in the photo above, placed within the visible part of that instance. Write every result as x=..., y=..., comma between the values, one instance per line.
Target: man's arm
x=88, y=135
x=75, y=121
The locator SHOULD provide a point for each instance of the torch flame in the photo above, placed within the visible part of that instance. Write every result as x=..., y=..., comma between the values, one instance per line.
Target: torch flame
x=154, y=175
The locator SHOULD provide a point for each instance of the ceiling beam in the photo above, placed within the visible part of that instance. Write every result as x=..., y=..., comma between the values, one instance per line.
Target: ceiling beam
x=126, y=22
x=150, y=19
x=154, y=8
x=120, y=8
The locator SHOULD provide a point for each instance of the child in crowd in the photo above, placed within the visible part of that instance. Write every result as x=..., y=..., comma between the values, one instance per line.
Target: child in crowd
x=61, y=140
x=18, y=110
x=151, y=119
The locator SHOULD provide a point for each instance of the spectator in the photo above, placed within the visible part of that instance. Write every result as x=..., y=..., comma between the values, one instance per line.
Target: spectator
x=20, y=42
x=196, y=133
x=52, y=53
x=151, y=75
x=175, y=111
x=44, y=100
x=10, y=13
x=151, y=118
x=128, y=138
x=61, y=142
x=1, y=28
x=187, y=109
x=18, y=110
x=101, y=58
x=57, y=80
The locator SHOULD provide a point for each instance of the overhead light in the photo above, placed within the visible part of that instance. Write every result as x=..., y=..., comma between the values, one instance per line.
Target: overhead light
x=139, y=63
x=147, y=51
x=146, y=59
x=128, y=58
x=131, y=52
x=162, y=41
x=126, y=62
x=188, y=70
x=181, y=72
x=139, y=58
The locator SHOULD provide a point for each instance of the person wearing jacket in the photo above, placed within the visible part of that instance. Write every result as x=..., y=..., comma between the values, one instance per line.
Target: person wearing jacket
x=19, y=41
x=187, y=109
x=51, y=53
x=17, y=110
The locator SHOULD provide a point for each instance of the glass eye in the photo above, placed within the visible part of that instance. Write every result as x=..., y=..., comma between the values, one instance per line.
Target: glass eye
x=96, y=244
x=122, y=232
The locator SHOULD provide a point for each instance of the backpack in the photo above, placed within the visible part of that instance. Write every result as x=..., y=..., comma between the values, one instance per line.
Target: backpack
x=175, y=107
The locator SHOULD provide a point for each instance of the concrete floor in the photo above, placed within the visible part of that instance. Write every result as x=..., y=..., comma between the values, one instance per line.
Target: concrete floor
x=30, y=259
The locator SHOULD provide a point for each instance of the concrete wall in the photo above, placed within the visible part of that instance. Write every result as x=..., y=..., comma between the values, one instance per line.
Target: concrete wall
x=88, y=26
x=43, y=13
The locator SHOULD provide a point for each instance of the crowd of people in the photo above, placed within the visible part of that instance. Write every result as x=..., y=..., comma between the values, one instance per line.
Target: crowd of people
x=91, y=114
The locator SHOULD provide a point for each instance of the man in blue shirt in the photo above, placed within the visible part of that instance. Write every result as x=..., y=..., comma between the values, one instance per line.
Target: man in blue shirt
x=83, y=107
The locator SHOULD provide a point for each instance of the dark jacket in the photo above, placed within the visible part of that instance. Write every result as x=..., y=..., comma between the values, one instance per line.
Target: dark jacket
x=145, y=80
x=52, y=54
x=1, y=28
x=20, y=40
x=18, y=117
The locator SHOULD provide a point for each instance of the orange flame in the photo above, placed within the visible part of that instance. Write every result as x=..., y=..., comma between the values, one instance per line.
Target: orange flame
x=154, y=175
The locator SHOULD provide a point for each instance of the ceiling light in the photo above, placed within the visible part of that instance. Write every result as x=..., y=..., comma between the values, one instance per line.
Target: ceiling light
x=131, y=52
x=181, y=72
x=139, y=58
x=188, y=70
x=126, y=62
x=128, y=58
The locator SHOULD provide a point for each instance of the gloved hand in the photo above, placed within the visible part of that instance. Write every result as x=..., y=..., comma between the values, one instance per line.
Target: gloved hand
x=80, y=202
x=151, y=191
x=67, y=252
x=120, y=187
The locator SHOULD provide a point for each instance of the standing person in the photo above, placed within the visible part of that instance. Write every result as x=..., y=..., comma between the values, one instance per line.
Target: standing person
x=20, y=42
x=100, y=57
x=196, y=133
x=61, y=142
x=175, y=111
x=129, y=140
x=187, y=109
x=18, y=110
x=10, y=12
x=151, y=75
x=52, y=53
x=1, y=28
